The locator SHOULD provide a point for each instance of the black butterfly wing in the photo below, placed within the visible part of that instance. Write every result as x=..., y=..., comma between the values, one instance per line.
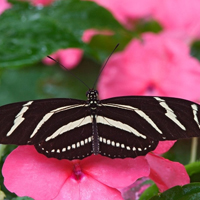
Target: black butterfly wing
x=127, y=126
x=40, y=122
x=132, y=126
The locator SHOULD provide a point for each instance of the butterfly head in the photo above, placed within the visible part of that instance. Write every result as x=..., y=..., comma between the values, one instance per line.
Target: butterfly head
x=92, y=94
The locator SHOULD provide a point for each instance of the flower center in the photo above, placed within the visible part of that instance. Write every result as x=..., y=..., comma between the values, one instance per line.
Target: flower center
x=77, y=172
x=150, y=88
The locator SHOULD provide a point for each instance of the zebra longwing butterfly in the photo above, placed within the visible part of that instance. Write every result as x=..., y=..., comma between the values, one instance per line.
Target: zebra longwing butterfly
x=119, y=127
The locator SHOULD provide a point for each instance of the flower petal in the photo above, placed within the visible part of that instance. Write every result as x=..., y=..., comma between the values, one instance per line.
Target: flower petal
x=41, y=2
x=87, y=189
x=165, y=173
x=128, y=11
x=69, y=58
x=4, y=5
x=116, y=173
x=184, y=20
x=28, y=173
x=163, y=146
x=150, y=68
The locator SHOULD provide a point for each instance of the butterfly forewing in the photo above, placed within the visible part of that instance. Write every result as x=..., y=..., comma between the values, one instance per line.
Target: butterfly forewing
x=159, y=118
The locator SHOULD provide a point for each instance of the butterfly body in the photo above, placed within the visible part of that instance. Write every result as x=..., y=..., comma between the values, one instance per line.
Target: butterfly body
x=118, y=127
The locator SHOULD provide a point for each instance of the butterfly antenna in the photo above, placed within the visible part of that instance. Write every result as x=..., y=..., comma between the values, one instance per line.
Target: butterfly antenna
x=68, y=71
x=105, y=64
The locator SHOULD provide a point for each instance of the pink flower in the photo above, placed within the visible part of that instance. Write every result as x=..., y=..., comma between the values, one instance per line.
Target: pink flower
x=43, y=178
x=179, y=15
x=71, y=57
x=128, y=11
x=4, y=5
x=165, y=12
x=41, y=2
x=39, y=177
x=157, y=65
x=174, y=173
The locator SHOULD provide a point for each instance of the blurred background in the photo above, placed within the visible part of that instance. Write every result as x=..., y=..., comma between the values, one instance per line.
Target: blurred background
x=158, y=54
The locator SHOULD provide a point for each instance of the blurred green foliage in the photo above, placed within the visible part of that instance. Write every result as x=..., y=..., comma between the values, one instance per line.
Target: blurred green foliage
x=30, y=33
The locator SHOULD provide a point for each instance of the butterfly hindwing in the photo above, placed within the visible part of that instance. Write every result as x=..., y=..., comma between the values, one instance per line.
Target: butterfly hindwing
x=74, y=144
x=116, y=143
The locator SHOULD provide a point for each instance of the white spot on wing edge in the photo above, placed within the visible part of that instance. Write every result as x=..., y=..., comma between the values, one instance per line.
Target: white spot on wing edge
x=19, y=117
x=117, y=144
x=58, y=151
x=169, y=112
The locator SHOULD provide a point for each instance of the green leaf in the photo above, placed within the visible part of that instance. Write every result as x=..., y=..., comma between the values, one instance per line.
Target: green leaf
x=142, y=26
x=195, y=50
x=180, y=152
x=2, y=195
x=22, y=198
x=186, y=192
x=193, y=170
x=149, y=192
x=30, y=33
x=7, y=149
x=103, y=45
